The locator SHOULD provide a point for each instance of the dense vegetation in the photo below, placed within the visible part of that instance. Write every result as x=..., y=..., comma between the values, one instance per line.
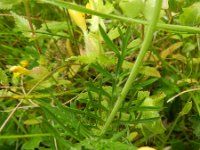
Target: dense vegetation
x=99, y=74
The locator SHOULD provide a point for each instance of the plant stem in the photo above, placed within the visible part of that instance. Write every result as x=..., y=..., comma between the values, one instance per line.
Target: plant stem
x=26, y=4
x=171, y=129
x=162, y=26
x=136, y=67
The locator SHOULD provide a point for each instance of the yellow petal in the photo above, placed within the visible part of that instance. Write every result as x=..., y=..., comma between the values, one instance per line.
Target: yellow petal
x=146, y=148
x=89, y=6
x=79, y=19
x=19, y=70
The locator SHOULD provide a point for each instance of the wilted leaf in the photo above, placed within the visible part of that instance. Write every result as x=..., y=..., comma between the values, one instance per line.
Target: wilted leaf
x=150, y=71
x=187, y=80
x=38, y=72
x=170, y=49
x=180, y=57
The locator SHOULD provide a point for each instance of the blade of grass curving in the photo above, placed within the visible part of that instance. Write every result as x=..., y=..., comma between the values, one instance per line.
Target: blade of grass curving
x=167, y=27
x=135, y=69
x=125, y=38
x=108, y=41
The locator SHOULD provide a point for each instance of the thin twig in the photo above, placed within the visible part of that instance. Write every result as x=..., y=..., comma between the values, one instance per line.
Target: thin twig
x=181, y=93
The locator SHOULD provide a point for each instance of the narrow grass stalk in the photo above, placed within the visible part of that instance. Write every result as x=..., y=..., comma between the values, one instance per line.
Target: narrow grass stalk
x=170, y=131
x=27, y=9
x=68, y=5
x=136, y=67
x=181, y=93
x=25, y=136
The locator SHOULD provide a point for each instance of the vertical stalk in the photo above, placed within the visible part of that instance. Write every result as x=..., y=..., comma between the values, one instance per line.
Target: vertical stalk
x=26, y=4
x=136, y=67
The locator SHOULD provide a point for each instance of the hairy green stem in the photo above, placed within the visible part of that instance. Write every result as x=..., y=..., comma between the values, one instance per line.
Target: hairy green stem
x=76, y=7
x=136, y=67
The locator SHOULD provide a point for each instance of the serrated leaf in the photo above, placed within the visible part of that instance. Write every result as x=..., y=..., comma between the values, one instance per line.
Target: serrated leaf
x=8, y=4
x=22, y=25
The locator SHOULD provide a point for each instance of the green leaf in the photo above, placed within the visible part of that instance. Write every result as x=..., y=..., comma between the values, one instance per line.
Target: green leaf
x=108, y=41
x=131, y=8
x=8, y=4
x=191, y=15
x=150, y=71
x=31, y=144
x=186, y=109
x=101, y=70
x=3, y=77
x=22, y=25
x=196, y=125
x=148, y=7
x=114, y=32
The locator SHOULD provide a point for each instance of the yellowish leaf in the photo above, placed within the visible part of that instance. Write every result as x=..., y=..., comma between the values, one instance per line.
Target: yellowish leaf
x=170, y=49
x=33, y=121
x=132, y=136
x=150, y=71
x=180, y=58
x=24, y=63
x=79, y=19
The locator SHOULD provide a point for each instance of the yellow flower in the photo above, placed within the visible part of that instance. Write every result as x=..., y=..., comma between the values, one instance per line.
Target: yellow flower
x=146, y=148
x=18, y=70
x=79, y=19
x=89, y=5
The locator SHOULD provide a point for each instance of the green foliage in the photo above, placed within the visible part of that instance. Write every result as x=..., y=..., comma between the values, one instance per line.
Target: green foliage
x=8, y=4
x=59, y=85
x=191, y=15
x=131, y=8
